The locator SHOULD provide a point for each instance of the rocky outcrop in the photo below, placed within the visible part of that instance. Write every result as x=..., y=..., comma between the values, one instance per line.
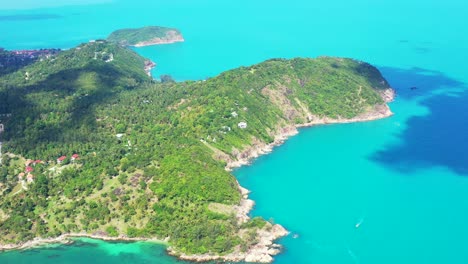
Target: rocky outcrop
x=262, y=251
x=149, y=65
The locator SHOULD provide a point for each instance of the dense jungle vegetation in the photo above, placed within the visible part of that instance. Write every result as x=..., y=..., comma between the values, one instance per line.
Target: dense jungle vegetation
x=152, y=155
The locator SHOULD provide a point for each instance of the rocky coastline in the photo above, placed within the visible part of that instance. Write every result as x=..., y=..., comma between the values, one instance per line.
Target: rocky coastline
x=149, y=65
x=260, y=148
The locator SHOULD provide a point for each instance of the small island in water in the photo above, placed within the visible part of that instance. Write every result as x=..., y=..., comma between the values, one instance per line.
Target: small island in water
x=146, y=36
x=92, y=146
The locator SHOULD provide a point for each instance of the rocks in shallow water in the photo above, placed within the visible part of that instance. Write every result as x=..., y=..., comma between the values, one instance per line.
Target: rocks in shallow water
x=273, y=251
x=260, y=258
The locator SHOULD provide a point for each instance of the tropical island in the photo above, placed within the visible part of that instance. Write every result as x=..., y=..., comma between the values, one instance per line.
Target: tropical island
x=94, y=147
x=146, y=36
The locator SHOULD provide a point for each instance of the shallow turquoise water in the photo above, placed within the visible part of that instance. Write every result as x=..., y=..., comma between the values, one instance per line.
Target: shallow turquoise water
x=86, y=250
x=404, y=179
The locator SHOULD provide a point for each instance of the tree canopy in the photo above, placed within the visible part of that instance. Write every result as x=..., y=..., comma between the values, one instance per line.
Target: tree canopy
x=152, y=155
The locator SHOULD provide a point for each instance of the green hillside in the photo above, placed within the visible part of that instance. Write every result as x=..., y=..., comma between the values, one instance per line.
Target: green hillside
x=152, y=155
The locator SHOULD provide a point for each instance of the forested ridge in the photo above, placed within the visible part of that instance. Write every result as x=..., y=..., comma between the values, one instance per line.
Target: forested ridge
x=149, y=153
x=135, y=36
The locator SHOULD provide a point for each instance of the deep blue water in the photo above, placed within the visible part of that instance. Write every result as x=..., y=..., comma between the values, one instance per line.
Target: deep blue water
x=438, y=138
x=405, y=178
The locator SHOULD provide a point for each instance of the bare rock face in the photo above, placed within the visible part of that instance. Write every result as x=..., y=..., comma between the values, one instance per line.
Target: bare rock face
x=242, y=210
x=264, y=250
x=172, y=36
x=259, y=257
x=388, y=95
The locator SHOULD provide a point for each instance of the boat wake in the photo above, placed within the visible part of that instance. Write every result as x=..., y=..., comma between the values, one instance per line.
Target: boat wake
x=359, y=223
x=351, y=254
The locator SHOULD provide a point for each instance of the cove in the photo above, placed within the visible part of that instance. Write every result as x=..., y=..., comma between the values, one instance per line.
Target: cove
x=386, y=191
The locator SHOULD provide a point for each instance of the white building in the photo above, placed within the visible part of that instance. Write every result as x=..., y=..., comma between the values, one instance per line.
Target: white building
x=242, y=125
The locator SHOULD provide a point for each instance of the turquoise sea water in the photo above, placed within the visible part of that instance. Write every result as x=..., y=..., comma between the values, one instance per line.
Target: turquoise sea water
x=403, y=180
x=86, y=250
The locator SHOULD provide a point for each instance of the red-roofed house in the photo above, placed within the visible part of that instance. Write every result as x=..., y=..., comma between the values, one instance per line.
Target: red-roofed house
x=75, y=157
x=29, y=169
x=61, y=159
x=36, y=162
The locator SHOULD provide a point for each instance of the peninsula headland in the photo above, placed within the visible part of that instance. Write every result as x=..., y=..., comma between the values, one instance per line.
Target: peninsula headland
x=146, y=36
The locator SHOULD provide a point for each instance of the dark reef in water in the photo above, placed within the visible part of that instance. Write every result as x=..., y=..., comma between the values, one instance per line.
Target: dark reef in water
x=29, y=17
x=438, y=138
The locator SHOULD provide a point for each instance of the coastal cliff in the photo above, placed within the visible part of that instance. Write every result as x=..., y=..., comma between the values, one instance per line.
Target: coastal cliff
x=101, y=150
x=146, y=36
